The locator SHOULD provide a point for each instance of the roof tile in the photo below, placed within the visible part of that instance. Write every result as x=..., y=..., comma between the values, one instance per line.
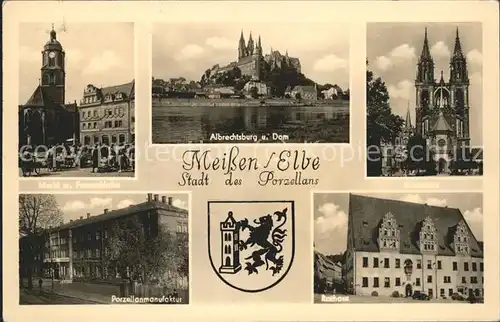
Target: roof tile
x=366, y=214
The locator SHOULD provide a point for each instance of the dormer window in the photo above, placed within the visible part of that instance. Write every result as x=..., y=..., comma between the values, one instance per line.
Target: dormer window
x=428, y=236
x=118, y=96
x=108, y=98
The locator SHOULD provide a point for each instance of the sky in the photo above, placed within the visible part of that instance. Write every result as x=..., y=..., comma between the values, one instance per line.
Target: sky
x=187, y=50
x=101, y=54
x=393, y=50
x=331, y=210
x=74, y=206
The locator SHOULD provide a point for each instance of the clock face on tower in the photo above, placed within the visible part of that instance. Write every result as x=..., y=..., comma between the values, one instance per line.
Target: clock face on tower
x=52, y=54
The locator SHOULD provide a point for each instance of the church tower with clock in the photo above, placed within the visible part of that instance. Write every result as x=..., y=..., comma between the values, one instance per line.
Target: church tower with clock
x=45, y=118
x=52, y=71
x=442, y=108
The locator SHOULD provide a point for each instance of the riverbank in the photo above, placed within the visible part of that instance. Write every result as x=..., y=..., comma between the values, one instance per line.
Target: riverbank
x=234, y=102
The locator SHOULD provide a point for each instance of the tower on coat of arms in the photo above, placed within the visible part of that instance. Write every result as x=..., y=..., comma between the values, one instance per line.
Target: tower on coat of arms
x=230, y=253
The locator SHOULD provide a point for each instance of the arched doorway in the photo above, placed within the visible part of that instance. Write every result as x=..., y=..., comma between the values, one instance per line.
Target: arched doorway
x=408, y=290
x=442, y=165
x=228, y=261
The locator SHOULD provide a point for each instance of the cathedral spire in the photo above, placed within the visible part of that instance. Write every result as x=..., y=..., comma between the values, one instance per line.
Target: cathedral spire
x=457, y=52
x=458, y=63
x=441, y=81
x=250, y=46
x=242, y=51
x=242, y=38
x=408, y=117
x=426, y=53
x=425, y=65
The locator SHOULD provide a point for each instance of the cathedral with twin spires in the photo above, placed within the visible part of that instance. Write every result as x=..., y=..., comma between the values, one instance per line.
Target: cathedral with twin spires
x=442, y=113
x=442, y=107
x=252, y=60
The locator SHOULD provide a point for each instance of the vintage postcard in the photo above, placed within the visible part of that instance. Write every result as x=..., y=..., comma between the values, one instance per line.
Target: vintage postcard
x=251, y=161
x=76, y=100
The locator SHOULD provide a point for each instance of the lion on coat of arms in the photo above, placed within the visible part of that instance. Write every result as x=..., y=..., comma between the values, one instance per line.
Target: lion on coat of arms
x=269, y=249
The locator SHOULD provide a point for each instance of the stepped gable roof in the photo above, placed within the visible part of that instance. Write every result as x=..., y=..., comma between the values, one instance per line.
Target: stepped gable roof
x=366, y=214
x=118, y=213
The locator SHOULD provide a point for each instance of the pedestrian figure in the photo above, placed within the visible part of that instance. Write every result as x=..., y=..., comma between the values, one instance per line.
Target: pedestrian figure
x=95, y=158
x=40, y=282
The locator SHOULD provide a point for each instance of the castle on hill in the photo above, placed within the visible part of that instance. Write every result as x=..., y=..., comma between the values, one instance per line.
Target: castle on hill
x=251, y=60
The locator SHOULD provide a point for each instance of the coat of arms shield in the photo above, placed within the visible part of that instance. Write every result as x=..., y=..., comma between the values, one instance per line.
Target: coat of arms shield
x=251, y=244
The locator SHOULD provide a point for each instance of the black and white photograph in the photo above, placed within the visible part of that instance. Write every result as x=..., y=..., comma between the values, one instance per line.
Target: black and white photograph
x=424, y=99
x=244, y=82
x=76, y=100
x=121, y=248
x=398, y=248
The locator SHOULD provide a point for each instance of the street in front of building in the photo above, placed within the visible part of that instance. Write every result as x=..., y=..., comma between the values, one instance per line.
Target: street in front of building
x=78, y=172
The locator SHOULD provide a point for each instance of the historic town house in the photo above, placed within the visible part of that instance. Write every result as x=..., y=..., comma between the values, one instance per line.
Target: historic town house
x=395, y=246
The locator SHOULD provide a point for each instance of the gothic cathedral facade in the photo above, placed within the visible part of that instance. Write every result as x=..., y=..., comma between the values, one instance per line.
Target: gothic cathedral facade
x=442, y=108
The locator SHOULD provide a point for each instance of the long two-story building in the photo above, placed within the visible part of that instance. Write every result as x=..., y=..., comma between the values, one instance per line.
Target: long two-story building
x=396, y=246
x=79, y=248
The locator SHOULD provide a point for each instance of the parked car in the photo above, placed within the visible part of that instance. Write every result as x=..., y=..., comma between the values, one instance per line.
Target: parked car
x=420, y=296
x=457, y=297
x=475, y=299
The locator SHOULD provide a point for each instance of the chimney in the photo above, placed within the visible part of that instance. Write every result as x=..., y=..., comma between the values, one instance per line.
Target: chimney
x=106, y=210
x=88, y=215
x=156, y=197
x=163, y=199
x=170, y=201
x=150, y=197
x=81, y=217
